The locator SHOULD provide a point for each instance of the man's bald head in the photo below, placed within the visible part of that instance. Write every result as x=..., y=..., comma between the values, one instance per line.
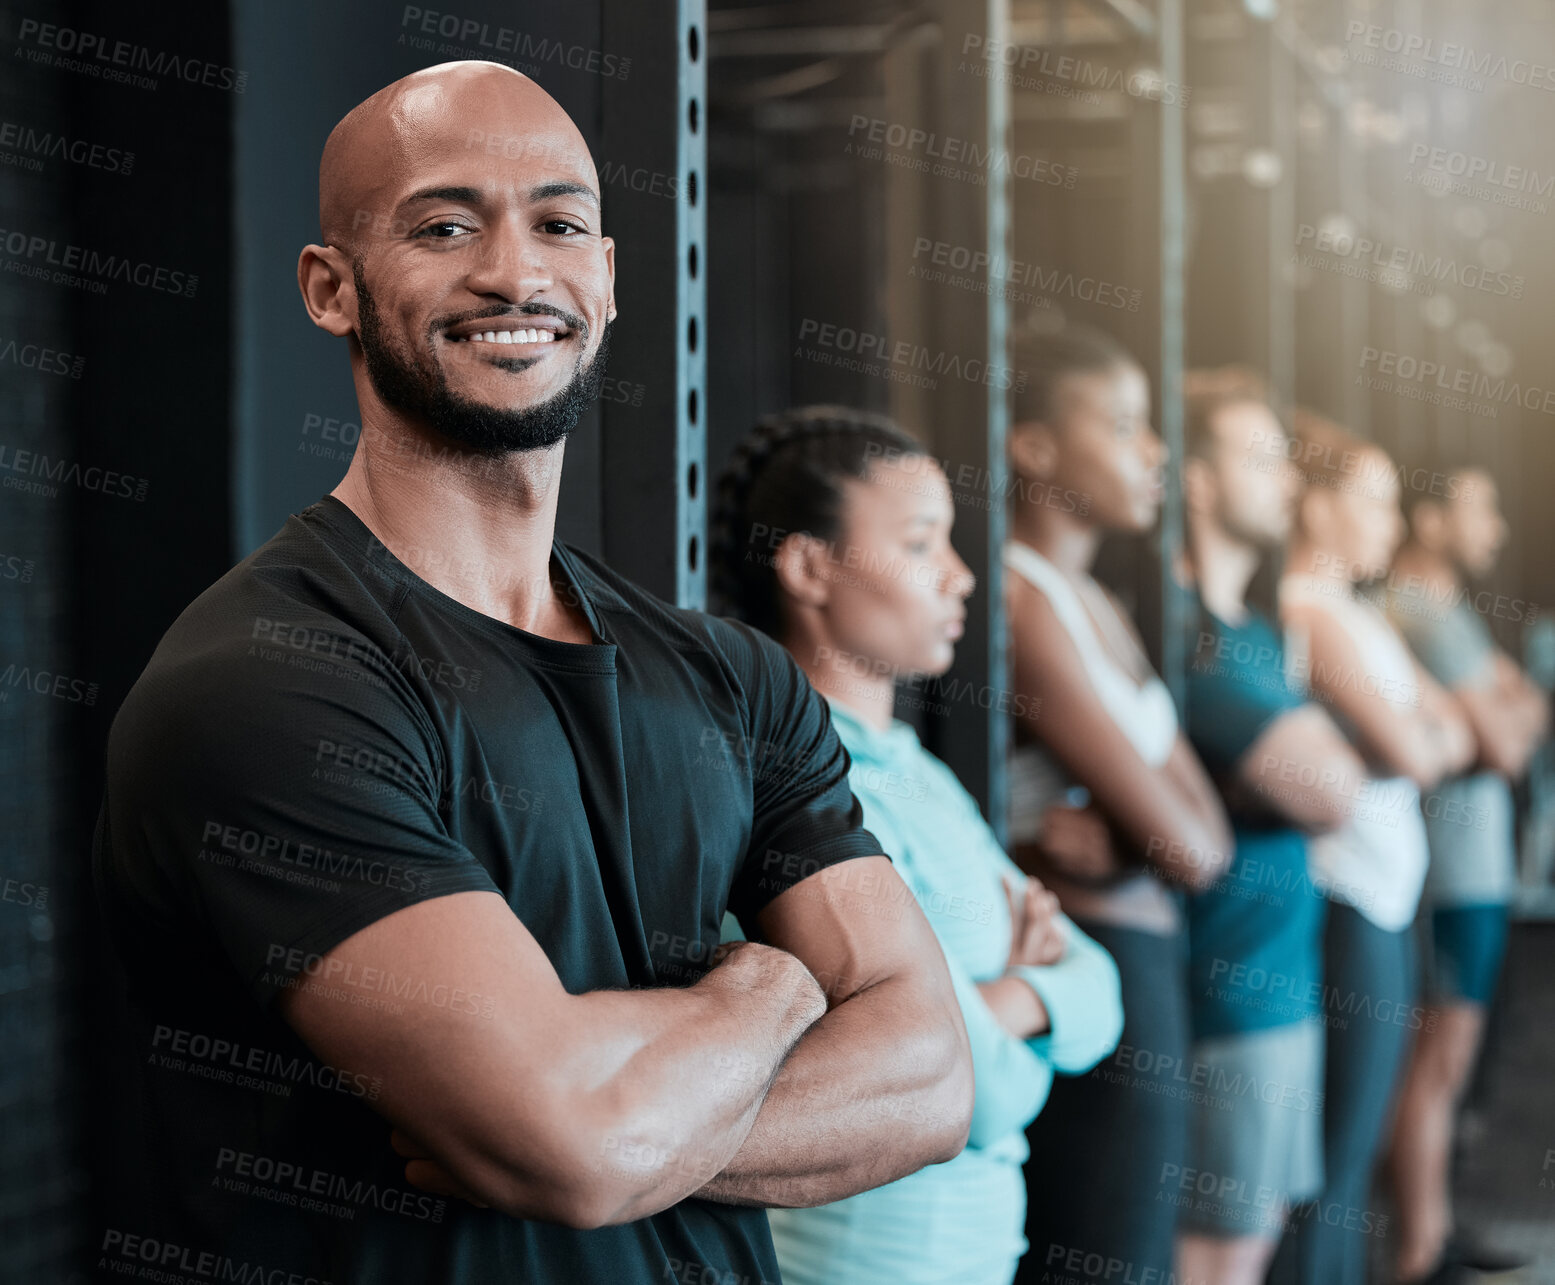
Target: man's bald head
x=406, y=125
x=464, y=257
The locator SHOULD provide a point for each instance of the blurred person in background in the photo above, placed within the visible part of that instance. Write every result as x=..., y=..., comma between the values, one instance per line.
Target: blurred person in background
x=1110, y=806
x=1408, y=731
x=1455, y=533
x=1255, y=939
x=831, y=532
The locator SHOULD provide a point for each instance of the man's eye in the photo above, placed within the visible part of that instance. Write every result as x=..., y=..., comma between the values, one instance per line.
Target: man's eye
x=561, y=227
x=446, y=231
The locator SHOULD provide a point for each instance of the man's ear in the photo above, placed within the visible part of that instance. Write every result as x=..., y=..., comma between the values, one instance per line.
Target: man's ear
x=328, y=288
x=1033, y=450
x=609, y=247
x=802, y=567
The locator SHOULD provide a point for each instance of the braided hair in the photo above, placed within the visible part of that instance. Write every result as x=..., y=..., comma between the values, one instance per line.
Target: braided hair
x=786, y=476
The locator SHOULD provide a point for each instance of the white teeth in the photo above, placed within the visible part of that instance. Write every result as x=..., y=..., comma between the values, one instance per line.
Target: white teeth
x=535, y=336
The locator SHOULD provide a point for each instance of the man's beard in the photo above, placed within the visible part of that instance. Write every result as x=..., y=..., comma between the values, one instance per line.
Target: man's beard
x=420, y=391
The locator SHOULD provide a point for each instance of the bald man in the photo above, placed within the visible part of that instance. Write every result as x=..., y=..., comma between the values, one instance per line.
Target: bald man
x=420, y=825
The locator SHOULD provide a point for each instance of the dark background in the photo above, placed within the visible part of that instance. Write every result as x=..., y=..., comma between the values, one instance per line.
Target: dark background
x=745, y=217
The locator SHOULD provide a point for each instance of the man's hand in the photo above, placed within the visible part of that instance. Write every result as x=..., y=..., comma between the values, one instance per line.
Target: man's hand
x=880, y=1086
x=423, y=1170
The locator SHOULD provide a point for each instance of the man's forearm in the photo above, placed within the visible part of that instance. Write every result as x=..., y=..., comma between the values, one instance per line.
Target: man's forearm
x=682, y=1087
x=872, y=1092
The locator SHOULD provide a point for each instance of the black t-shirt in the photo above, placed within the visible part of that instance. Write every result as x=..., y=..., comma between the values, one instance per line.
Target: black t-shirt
x=323, y=738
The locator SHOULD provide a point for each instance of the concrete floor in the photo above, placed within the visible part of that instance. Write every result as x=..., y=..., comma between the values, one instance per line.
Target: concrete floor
x=1506, y=1163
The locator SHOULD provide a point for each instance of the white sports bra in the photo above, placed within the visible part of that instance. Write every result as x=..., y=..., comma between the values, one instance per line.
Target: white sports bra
x=1143, y=711
x=1376, y=861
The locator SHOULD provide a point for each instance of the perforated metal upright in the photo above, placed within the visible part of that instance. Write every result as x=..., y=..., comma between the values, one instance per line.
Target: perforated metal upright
x=971, y=419
x=653, y=122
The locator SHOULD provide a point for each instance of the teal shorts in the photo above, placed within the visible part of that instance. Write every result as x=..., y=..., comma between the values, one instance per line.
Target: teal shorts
x=1468, y=944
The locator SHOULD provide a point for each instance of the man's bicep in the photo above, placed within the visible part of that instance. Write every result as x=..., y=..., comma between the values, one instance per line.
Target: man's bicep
x=454, y=1012
x=853, y=925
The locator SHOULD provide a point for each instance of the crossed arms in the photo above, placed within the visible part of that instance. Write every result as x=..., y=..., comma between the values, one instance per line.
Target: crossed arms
x=828, y=1058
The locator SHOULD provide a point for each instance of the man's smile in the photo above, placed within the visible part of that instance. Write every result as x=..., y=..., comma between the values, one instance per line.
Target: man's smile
x=531, y=337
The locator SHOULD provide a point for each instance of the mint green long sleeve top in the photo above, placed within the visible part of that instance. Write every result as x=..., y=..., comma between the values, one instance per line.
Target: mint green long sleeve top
x=962, y=1221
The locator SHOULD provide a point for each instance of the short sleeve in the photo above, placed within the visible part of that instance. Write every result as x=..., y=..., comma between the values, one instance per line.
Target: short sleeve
x=1453, y=644
x=279, y=807
x=804, y=814
x=1235, y=687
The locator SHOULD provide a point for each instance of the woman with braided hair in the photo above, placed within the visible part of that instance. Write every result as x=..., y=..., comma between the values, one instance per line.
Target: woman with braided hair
x=831, y=531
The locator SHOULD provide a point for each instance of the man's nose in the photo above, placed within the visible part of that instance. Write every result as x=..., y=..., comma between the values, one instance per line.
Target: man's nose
x=509, y=263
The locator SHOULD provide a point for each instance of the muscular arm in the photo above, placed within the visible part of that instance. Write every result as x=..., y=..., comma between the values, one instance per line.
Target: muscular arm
x=1404, y=739
x=1509, y=716
x=1170, y=814
x=580, y=1109
x=880, y=1086
x=1447, y=723
x=1303, y=770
